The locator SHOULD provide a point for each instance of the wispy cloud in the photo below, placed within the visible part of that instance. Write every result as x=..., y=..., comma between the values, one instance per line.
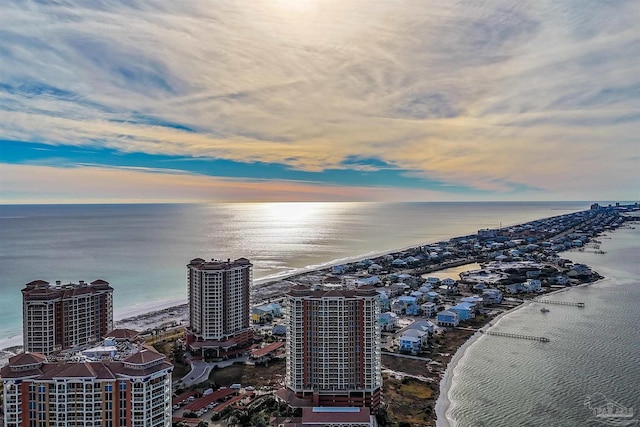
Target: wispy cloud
x=89, y=184
x=497, y=96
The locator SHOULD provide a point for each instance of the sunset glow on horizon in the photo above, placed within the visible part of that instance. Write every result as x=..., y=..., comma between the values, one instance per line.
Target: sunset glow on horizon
x=319, y=100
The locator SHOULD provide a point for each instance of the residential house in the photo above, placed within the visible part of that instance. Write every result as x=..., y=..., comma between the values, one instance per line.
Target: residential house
x=385, y=302
x=407, y=300
x=412, y=310
x=426, y=287
x=410, y=344
x=428, y=309
x=388, y=321
x=450, y=285
x=474, y=299
x=432, y=296
x=448, y=318
x=397, y=307
x=514, y=288
x=423, y=325
x=368, y=281
x=418, y=295
x=374, y=268
x=532, y=274
x=266, y=312
x=422, y=336
x=339, y=269
x=533, y=285
x=492, y=296
x=279, y=330
x=464, y=310
x=398, y=263
x=560, y=279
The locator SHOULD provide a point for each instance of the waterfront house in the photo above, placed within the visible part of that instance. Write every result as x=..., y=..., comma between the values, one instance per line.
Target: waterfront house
x=433, y=281
x=410, y=344
x=464, y=310
x=364, y=263
x=388, y=321
x=411, y=260
x=421, y=335
x=398, y=263
x=492, y=296
x=560, y=279
x=533, y=285
x=514, y=288
x=448, y=318
x=374, y=268
x=579, y=270
x=339, y=269
x=474, y=299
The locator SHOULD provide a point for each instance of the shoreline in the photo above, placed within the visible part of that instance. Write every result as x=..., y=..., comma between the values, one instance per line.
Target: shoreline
x=443, y=403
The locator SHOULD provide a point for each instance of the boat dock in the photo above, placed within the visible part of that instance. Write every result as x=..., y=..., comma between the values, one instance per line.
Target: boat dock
x=524, y=337
x=575, y=304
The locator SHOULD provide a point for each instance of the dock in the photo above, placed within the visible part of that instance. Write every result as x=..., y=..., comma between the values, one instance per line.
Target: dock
x=524, y=337
x=575, y=304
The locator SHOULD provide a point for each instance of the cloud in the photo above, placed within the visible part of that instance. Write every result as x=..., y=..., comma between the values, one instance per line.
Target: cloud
x=496, y=96
x=91, y=184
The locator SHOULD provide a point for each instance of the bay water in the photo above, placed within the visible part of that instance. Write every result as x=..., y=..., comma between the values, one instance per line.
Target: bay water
x=592, y=359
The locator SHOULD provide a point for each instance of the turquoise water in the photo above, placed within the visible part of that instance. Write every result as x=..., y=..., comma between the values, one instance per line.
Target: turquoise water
x=142, y=250
x=593, y=350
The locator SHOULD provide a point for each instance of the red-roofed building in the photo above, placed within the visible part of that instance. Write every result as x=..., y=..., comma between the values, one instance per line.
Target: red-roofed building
x=263, y=354
x=330, y=417
x=126, y=391
x=333, y=347
x=205, y=400
x=56, y=317
x=219, y=307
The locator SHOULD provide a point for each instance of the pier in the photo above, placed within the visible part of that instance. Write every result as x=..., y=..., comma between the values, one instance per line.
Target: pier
x=524, y=337
x=575, y=304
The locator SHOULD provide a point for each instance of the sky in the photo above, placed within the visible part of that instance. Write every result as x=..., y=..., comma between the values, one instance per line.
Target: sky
x=327, y=100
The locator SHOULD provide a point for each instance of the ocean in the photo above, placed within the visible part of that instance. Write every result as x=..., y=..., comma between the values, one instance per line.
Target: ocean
x=142, y=250
x=592, y=359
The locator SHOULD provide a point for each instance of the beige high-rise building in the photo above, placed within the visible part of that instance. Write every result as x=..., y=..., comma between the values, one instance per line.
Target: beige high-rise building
x=333, y=347
x=56, y=317
x=219, y=317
